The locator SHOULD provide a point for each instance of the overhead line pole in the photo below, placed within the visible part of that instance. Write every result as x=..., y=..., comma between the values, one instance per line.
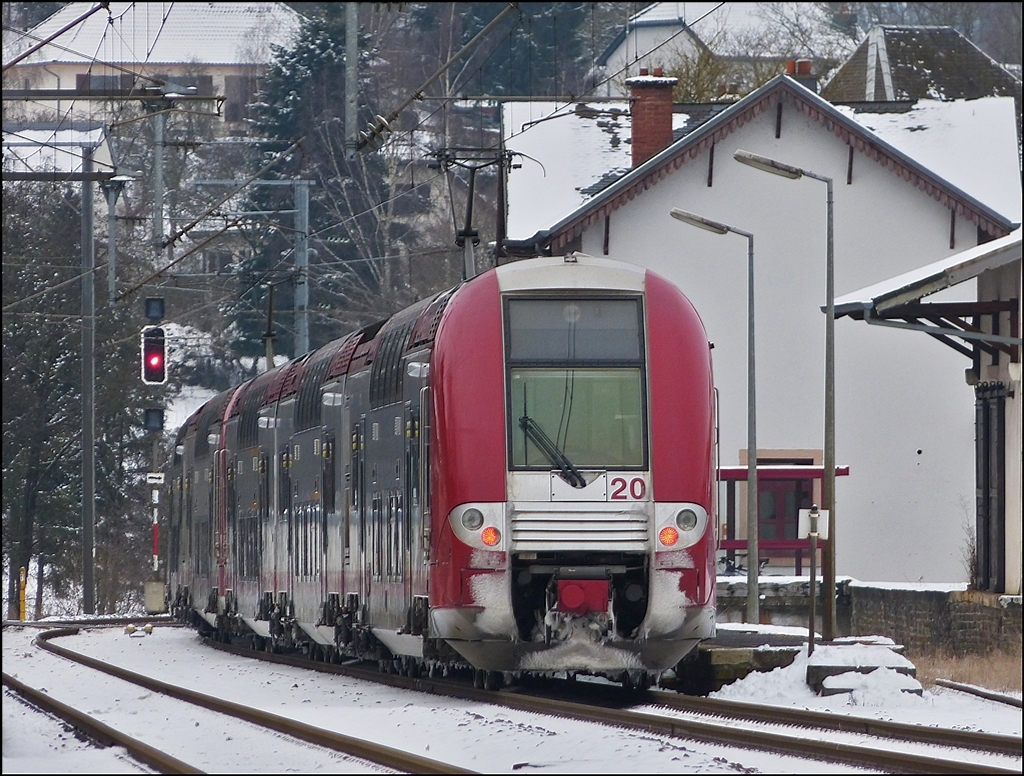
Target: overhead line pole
x=88, y=396
x=301, y=267
x=351, y=78
x=170, y=240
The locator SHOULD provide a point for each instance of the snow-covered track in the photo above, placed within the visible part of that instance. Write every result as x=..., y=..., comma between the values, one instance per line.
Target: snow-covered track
x=807, y=741
x=996, y=743
x=98, y=731
x=354, y=747
x=981, y=692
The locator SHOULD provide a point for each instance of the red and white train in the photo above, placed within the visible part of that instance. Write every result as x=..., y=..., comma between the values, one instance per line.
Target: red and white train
x=516, y=475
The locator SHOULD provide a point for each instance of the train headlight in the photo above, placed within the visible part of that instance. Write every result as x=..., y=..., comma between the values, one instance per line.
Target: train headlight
x=490, y=535
x=686, y=519
x=480, y=525
x=472, y=519
x=680, y=524
x=668, y=536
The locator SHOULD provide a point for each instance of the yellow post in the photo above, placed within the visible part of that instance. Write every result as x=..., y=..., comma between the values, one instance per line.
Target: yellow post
x=22, y=584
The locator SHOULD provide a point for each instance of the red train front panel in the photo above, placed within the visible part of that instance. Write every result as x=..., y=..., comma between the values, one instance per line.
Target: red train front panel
x=572, y=477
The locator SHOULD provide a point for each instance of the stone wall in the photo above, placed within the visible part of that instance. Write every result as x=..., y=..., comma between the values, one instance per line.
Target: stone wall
x=922, y=620
x=960, y=622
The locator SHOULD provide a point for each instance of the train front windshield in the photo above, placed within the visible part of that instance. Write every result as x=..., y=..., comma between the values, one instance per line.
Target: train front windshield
x=576, y=383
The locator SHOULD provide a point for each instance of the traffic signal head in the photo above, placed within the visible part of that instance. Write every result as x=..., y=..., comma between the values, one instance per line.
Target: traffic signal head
x=155, y=308
x=154, y=356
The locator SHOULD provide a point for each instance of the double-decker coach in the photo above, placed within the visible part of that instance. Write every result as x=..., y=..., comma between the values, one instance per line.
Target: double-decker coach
x=515, y=475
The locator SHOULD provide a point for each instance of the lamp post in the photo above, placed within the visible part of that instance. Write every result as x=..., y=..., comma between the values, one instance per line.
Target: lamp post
x=828, y=565
x=753, y=566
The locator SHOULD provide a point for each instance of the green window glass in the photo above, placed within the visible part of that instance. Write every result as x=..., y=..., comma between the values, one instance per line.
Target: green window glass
x=594, y=416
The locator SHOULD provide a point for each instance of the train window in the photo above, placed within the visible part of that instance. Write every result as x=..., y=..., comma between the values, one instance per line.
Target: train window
x=284, y=492
x=329, y=474
x=576, y=382
x=593, y=416
x=574, y=330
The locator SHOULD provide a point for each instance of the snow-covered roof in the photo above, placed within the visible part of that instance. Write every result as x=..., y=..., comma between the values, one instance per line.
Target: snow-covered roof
x=971, y=143
x=934, y=277
x=730, y=25
x=38, y=148
x=164, y=33
x=569, y=154
x=899, y=63
x=540, y=197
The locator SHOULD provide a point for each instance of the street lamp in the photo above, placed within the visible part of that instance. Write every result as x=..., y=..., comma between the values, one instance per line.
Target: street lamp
x=753, y=566
x=828, y=565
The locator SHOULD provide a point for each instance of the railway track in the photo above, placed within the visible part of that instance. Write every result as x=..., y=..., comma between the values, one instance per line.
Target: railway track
x=803, y=739
x=102, y=733
x=353, y=747
x=689, y=718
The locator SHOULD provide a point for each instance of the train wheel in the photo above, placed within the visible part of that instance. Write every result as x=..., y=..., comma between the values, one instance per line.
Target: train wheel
x=493, y=680
x=636, y=681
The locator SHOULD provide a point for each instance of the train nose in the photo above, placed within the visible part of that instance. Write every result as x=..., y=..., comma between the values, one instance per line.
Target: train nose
x=582, y=596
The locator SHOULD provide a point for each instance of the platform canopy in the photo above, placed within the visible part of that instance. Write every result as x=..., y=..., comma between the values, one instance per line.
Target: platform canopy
x=897, y=302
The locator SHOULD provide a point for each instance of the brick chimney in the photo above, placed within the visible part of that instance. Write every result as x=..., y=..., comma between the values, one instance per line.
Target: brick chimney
x=800, y=71
x=651, y=111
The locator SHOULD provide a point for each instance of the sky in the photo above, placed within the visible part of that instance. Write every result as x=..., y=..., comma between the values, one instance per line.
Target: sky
x=474, y=735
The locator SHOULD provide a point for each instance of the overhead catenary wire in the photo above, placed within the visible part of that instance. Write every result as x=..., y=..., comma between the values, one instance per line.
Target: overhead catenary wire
x=589, y=91
x=341, y=222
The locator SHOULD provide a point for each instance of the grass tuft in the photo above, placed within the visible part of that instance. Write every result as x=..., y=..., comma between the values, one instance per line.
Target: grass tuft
x=999, y=670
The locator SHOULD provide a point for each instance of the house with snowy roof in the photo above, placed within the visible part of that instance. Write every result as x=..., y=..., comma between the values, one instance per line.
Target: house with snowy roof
x=212, y=52
x=910, y=63
x=924, y=182
x=733, y=34
x=900, y=63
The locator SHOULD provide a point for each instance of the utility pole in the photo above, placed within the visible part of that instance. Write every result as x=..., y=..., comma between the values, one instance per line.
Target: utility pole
x=158, y=180
x=351, y=77
x=112, y=190
x=268, y=336
x=88, y=381
x=300, y=250
x=301, y=267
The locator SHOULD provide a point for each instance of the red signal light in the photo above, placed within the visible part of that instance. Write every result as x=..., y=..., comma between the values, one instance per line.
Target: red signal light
x=490, y=536
x=668, y=536
x=154, y=356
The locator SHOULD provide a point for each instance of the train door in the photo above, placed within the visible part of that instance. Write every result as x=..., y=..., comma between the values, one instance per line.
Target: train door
x=231, y=524
x=218, y=524
x=246, y=486
x=410, y=548
x=359, y=528
x=307, y=555
x=331, y=534
x=265, y=527
x=202, y=534
x=284, y=523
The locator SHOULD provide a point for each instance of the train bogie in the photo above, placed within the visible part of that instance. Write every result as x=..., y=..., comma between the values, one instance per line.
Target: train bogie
x=516, y=475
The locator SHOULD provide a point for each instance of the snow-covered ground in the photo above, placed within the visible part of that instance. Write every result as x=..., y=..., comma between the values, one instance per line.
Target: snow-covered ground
x=477, y=736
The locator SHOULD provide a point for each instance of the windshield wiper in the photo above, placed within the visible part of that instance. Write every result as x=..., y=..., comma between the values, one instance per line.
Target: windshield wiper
x=569, y=473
